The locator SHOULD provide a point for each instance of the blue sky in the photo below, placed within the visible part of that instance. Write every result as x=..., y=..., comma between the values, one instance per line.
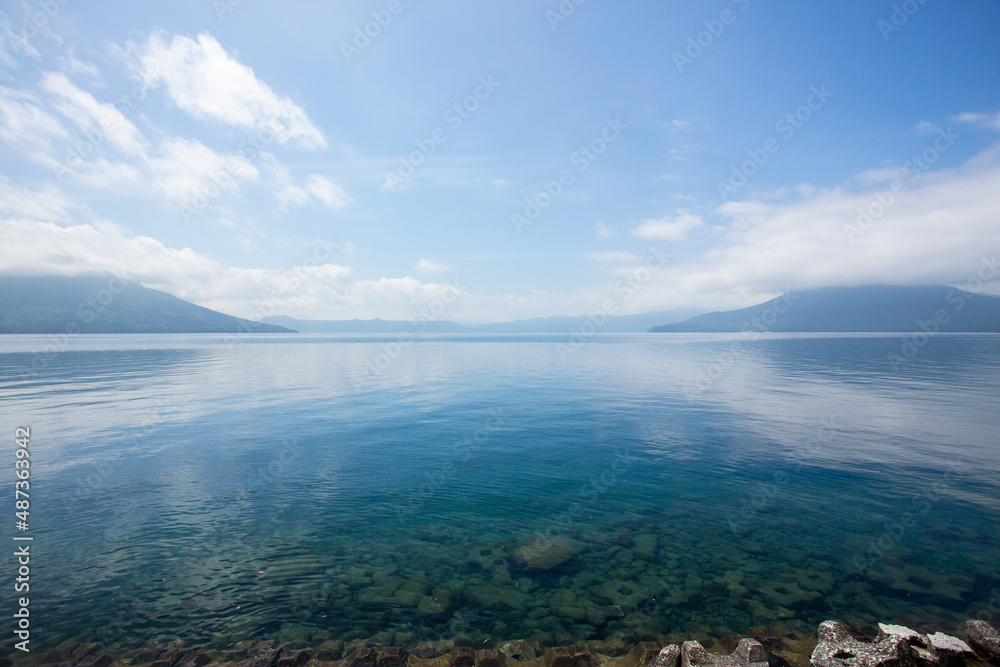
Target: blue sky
x=257, y=159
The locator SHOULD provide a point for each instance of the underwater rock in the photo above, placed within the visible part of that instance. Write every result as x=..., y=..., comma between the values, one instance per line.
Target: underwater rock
x=645, y=546
x=911, y=579
x=837, y=648
x=491, y=657
x=730, y=641
x=570, y=656
x=427, y=650
x=362, y=657
x=293, y=658
x=461, y=657
x=393, y=656
x=748, y=653
x=437, y=602
x=330, y=650
x=193, y=659
x=103, y=660
x=544, y=553
x=259, y=656
x=598, y=614
x=768, y=638
x=520, y=649
x=488, y=596
x=984, y=638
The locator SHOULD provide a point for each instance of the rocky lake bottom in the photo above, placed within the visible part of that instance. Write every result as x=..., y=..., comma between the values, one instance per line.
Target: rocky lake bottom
x=488, y=493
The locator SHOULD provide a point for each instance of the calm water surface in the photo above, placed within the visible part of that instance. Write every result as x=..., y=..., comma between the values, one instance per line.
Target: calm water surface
x=494, y=488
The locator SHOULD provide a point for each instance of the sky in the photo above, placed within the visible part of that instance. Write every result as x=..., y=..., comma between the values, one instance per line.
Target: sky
x=500, y=159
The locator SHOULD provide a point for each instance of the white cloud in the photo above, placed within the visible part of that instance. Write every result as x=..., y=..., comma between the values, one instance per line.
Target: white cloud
x=186, y=168
x=97, y=121
x=312, y=288
x=991, y=120
x=23, y=124
x=936, y=232
x=877, y=176
x=668, y=228
x=326, y=191
x=315, y=186
x=205, y=81
x=925, y=127
x=430, y=267
x=612, y=256
x=603, y=232
x=12, y=43
x=47, y=203
x=101, y=173
x=70, y=63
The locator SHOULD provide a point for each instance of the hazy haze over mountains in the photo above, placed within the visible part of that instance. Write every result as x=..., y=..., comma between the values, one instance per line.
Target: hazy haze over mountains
x=873, y=308
x=105, y=304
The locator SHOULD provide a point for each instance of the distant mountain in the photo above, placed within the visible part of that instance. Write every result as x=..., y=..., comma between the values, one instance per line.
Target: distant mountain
x=554, y=324
x=362, y=326
x=872, y=308
x=565, y=324
x=105, y=304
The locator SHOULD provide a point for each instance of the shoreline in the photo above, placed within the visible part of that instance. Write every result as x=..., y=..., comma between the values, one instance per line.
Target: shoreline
x=833, y=644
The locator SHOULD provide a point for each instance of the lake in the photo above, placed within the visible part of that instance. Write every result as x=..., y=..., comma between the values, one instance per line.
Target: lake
x=489, y=488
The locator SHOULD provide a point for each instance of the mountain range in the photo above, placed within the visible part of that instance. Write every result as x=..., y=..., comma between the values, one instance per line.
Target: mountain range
x=106, y=304
x=555, y=324
x=871, y=308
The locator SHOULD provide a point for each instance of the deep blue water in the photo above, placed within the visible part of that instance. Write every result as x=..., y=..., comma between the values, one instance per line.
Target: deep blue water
x=496, y=488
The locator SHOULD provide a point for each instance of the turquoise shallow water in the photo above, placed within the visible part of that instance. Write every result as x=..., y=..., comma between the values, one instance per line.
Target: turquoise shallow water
x=494, y=488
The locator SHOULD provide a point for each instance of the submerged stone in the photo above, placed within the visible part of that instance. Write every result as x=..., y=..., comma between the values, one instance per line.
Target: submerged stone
x=520, y=649
x=544, y=553
x=570, y=656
